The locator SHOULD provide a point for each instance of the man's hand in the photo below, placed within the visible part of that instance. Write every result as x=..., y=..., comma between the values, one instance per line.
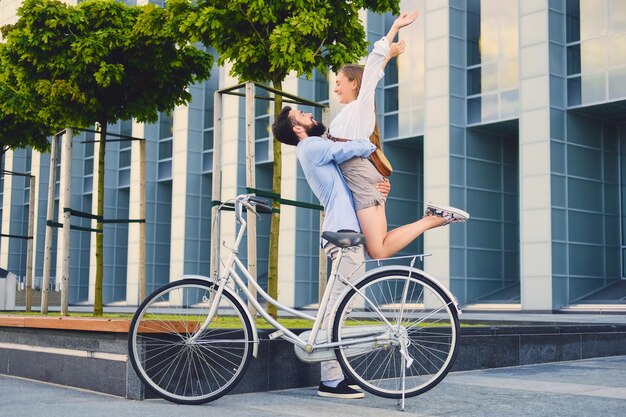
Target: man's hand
x=384, y=187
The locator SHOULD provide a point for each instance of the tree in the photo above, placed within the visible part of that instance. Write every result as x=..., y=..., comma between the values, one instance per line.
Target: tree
x=16, y=129
x=265, y=40
x=96, y=63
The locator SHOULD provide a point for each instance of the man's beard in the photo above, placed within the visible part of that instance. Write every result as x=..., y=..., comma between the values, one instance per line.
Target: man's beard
x=317, y=129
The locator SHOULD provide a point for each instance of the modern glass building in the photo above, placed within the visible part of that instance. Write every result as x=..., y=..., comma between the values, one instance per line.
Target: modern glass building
x=513, y=110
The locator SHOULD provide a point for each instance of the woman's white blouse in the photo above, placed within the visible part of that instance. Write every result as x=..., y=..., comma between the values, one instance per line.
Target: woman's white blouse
x=356, y=120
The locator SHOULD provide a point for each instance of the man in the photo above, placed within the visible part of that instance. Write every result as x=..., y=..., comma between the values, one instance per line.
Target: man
x=319, y=159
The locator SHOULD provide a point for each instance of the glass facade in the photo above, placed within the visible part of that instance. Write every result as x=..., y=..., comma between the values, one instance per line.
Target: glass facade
x=159, y=206
x=489, y=123
x=596, y=51
x=492, y=61
x=484, y=159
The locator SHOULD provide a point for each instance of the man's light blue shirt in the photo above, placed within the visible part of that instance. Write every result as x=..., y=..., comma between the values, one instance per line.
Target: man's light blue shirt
x=319, y=159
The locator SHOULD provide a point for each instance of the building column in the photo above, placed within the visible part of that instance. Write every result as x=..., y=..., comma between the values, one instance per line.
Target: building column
x=534, y=164
x=179, y=192
x=437, y=132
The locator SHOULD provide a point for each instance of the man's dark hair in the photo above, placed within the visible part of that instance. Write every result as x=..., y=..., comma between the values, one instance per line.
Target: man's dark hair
x=283, y=128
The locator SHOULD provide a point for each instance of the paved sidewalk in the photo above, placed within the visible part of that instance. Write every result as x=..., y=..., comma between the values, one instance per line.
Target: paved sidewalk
x=591, y=387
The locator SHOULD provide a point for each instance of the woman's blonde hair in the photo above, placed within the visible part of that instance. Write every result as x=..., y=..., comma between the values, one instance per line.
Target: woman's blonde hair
x=355, y=73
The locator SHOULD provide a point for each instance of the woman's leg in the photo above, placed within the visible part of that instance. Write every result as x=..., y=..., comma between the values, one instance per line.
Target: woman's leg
x=382, y=244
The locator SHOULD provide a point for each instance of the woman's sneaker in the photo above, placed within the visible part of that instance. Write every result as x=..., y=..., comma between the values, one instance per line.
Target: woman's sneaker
x=342, y=390
x=451, y=214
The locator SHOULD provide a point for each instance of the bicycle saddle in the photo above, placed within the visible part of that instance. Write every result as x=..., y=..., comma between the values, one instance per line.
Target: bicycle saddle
x=344, y=239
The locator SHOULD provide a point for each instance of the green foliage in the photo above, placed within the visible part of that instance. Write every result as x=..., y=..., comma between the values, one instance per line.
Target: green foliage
x=265, y=40
x=19, y=133
x=99, y=61
x=17, y=129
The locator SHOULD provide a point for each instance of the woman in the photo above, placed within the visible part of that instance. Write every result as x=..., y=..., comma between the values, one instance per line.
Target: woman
x=355, y=87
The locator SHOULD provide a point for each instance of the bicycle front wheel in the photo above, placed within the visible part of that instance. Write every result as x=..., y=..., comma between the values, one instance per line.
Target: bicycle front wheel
x=416, y=328
x=179, y=360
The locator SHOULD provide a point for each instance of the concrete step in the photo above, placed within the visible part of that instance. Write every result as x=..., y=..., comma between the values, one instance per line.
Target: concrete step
x=94, y=355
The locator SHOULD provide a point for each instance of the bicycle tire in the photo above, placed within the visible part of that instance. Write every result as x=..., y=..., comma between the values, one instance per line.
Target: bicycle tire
x=431, y=330
x=175, y=368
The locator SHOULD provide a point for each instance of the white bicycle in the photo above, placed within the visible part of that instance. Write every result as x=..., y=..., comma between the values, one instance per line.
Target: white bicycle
x=395, y=329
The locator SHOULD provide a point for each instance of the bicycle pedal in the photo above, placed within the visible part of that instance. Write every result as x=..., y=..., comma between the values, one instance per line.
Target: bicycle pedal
x=276, y=334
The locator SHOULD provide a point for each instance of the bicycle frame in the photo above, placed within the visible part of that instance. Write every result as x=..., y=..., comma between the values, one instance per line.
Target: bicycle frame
x=309, y=344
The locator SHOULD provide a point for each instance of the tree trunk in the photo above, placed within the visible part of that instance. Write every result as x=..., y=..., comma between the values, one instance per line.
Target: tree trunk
x=272, y=272
x=97, y=304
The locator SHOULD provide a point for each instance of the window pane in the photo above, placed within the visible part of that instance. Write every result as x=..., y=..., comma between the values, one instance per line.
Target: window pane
x=489, y=78
x=261, y=150
x=207, y=140
x=489, y=28
x=573, y=91
x=207, y=162
x=88, y=166
x=391, y=126
x=489, y=107
x=391, y=99
x=592, y=14
x=473, y=81
x=508, y=104
x=592, y=55
x=126, y=127
x=573, y=59
x=573, y=20
x=509, y=33
x=124, y=158
x=165, y=126
x=124, y=178
x=617, y=16
x=165, y=170
x=593, y=88
x=165, y=149
x=321, y=86
x=87, y=185
x=509, y=74
x=391, y=72
x=89, y=145
x=473, y=110
x=617, y=83
x=208, y=108
x=617, y=49
x=261, y=128
x=473, y=32
x=261, y=106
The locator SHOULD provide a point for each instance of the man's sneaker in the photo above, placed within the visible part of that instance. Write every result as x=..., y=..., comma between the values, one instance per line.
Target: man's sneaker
x=451, y=214
x=352, y=383
x=340, y=391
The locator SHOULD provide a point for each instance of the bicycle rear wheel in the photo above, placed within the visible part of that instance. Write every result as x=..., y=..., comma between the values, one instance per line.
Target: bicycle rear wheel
x=424, y=333
x=175, y=366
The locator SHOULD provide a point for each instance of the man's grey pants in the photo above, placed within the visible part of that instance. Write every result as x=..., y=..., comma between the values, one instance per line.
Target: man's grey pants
x=351, y=260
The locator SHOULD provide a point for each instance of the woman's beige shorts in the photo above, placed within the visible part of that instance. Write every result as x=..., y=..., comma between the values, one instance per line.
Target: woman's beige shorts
x=362, y=177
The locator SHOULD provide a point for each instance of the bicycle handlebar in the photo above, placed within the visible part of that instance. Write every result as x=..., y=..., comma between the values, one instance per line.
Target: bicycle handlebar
x=261, y=205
